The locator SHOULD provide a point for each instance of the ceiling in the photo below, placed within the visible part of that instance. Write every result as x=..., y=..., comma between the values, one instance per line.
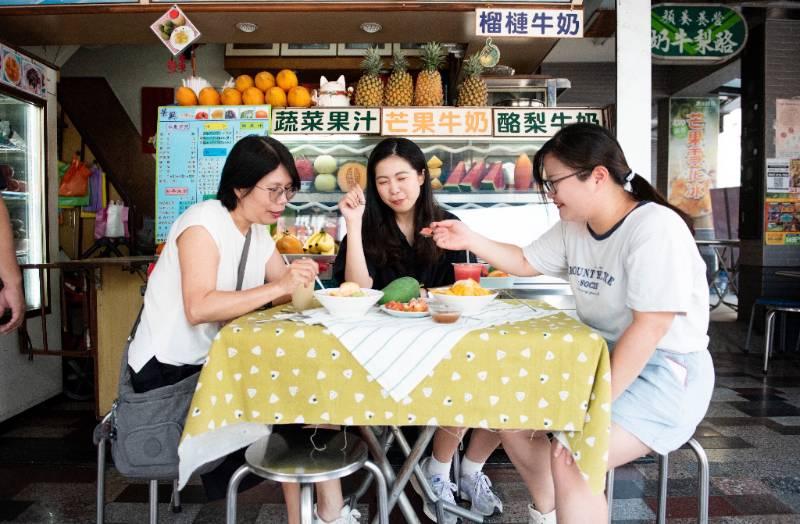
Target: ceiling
x=131, y=25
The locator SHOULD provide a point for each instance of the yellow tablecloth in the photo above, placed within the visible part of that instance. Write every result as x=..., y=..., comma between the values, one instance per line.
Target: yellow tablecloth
x=551, y=373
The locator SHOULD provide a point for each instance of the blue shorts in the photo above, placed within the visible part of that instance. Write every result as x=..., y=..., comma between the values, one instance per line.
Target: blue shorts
x=668, y=399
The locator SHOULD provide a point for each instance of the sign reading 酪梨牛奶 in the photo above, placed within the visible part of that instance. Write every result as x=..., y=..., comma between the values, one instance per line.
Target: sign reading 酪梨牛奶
x=541, y=122
x=532, y=23
x=323, y=120
x=695, y=33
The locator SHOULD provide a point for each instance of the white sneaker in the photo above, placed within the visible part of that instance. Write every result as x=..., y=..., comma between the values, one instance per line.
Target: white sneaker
x=534, y=517
x=477, y=489
x=441, y=487
x=346, y=516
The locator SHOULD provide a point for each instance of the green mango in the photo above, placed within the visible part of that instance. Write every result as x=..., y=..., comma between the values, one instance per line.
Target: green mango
x=401, y=290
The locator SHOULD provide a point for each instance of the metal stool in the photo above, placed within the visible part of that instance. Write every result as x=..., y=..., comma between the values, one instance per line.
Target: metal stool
x=272, y=457
x=772, y=306
x=663, y=478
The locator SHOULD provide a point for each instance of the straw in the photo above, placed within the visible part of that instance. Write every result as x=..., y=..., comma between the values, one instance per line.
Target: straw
x=286, y=261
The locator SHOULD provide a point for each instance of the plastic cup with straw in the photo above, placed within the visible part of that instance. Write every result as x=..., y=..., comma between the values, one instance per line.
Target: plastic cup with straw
x=303, y=296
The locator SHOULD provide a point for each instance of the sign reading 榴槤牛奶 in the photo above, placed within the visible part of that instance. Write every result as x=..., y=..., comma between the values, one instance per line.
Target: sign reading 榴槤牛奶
x=695, y=33
x=532, y=23
x=436, y=121
x=540, y=122
x=322, y=120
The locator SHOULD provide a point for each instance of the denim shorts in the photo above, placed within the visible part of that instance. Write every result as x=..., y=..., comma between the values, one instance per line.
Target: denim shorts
x=668, y=399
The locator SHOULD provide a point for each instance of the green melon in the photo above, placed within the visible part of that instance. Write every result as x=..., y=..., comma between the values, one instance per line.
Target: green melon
x=400, y=290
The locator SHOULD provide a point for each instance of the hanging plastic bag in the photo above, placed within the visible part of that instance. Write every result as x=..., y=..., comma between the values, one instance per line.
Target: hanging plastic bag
x=65, y=202
x=96, y=202
x=116, y=220
x=76, y=179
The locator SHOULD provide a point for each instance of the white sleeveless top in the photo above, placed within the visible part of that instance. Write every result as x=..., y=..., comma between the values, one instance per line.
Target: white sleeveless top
x=164, y=331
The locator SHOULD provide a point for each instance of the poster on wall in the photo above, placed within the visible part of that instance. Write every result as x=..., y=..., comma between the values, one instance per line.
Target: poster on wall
x=692, y=167
x=787, y=128
x=782, y=202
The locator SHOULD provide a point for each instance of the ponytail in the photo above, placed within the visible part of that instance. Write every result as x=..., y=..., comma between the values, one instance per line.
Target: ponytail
x=641, y=190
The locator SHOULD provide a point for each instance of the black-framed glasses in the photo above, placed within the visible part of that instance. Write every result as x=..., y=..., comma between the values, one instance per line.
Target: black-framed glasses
x=550, y=185
x=276, y=192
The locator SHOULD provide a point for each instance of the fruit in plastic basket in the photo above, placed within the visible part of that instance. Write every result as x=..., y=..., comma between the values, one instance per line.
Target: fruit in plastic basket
x=264, y=80
x=495, y=178
x=523, y=172
x=305, y=169
x=400, y=290
x=244, y=82
x=451, y=184
x=325, y=164
x=369, y=89
x=209, y=97
x=231, y=97
x=299, y=97
x=184, y=96
x=352, y=173
x=288, y=244
x=473, y=179
x=325, y=183
x=286, y=79
x=252, y=96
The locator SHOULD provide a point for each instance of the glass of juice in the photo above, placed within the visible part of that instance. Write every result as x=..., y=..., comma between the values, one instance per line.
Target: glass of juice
x=303, y=296
x=465, y=270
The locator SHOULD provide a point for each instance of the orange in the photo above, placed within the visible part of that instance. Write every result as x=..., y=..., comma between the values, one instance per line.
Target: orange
x=243, y=82
x=265, y=80
x=252, y=96
x=286, y=79
x=209, y=97
x=184, y=96
x=299, y=97
x=276, y=97
x=231, y=97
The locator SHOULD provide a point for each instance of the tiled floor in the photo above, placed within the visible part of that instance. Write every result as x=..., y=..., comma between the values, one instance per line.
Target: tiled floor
x=47, y=461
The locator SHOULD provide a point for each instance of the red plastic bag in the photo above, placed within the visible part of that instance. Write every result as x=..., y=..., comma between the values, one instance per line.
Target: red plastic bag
x=76, y=179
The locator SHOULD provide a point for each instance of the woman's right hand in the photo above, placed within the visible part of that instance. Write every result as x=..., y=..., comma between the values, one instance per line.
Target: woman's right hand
x=352, y=205
x=300, y=272
x=453, y=235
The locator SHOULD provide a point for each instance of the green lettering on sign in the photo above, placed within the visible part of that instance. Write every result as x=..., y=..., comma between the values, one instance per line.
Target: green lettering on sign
x=694, y=32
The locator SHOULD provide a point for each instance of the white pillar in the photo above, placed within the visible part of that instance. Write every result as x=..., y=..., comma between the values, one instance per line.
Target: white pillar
x=634, y=83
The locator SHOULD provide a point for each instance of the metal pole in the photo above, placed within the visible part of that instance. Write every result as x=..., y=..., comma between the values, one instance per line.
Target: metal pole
x=610, y=493
x=233, y=489
x=663, y=478
x=101, y=481
x=153, y=502
x=379, y=456
x=702, y=488
x=768, y=337
x=306, y=503
x=383, y=498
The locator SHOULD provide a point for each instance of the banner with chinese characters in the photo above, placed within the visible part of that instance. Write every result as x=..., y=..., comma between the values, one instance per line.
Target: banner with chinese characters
x=692, y=167
x=540, y=122
x=531, y=23
x=326, y=120
x=436, y=121
x=681, y=33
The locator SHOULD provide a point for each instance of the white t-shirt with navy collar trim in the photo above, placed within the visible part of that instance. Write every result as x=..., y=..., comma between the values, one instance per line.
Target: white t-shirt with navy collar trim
x=647, y=262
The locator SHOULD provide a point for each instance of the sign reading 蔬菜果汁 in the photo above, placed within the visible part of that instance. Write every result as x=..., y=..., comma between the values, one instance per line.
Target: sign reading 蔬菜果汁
x=682, y=33
x=532, y=23
x=326, y=120
x=541, y=122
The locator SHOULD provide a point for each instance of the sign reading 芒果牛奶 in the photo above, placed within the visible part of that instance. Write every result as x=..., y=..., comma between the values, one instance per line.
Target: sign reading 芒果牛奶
x=692, y=32
x=321, y=120
x=532, y=23
x=541, y=122
x=436, y=121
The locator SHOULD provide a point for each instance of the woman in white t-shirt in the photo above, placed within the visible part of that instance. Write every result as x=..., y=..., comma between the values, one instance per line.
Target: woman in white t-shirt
x=199, y=283
x=639, y=280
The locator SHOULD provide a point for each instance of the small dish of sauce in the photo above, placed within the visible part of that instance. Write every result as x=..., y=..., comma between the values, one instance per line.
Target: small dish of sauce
x=443, y=313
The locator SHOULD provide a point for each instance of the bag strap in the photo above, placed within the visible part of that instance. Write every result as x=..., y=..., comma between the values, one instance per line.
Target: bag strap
x=243, y=261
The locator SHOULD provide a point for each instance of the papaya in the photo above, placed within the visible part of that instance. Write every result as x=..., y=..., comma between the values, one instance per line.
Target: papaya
x=523, y=172
x=400, y=289
x=451, y=184
x=494, y=179
x=472, y=182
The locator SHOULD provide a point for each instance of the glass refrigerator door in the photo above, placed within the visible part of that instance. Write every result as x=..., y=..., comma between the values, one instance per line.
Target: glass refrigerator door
x=22, y=183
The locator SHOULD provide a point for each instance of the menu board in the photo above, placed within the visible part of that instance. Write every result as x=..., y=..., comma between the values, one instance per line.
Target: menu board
x=192, y=144
x=21, y=72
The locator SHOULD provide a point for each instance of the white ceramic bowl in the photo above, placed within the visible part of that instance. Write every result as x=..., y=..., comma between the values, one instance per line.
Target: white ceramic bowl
x=467, y=305
x=497, y=282
x=348, y=306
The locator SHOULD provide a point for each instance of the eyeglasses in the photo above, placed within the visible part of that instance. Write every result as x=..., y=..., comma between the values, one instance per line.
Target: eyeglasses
x=550, y=185
x=275, y=193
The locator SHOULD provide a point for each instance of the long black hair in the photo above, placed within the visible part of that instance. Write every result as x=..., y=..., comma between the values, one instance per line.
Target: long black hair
x=249, y=161
x=586, y=146
x=382, y=243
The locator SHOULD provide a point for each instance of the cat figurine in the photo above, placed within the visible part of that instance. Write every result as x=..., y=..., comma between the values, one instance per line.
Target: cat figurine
x=332, y=94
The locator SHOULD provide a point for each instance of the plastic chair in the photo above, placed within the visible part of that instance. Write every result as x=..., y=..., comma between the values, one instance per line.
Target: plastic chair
x=663, y=478
x=772, y=306
x=273, y=458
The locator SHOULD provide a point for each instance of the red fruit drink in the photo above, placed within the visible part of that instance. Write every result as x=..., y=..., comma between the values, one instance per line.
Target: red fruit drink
x=465, y=270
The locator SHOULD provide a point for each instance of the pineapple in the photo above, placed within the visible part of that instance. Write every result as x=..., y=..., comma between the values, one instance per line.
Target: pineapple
x=429, y=81
x=400, y=86
x=369, y=89
x=473, y=91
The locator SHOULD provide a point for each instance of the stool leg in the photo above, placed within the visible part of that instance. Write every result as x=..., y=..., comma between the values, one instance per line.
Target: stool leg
x=457, y=471
x=233, y=490
x=768, y=337
x=702, y=487
x=306, y=503
x=750, y=328
x=101, y=481
x=380, y=487
x=153, y=502
x=610, y=493
x=783, y=331
x=663, y=478
x=176, y=497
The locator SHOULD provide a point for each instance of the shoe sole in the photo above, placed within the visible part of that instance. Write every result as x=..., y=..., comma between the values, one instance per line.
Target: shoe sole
x=425, y=504
x=465, y=496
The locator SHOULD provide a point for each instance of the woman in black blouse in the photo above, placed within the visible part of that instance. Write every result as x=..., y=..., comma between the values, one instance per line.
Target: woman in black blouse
x=384, y=243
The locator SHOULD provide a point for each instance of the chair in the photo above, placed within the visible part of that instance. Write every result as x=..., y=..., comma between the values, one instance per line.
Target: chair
x=663, y=478
x=272, y=457
x=772, y=306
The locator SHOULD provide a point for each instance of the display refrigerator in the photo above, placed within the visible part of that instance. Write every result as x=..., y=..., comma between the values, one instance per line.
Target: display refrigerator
x=23, y=99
